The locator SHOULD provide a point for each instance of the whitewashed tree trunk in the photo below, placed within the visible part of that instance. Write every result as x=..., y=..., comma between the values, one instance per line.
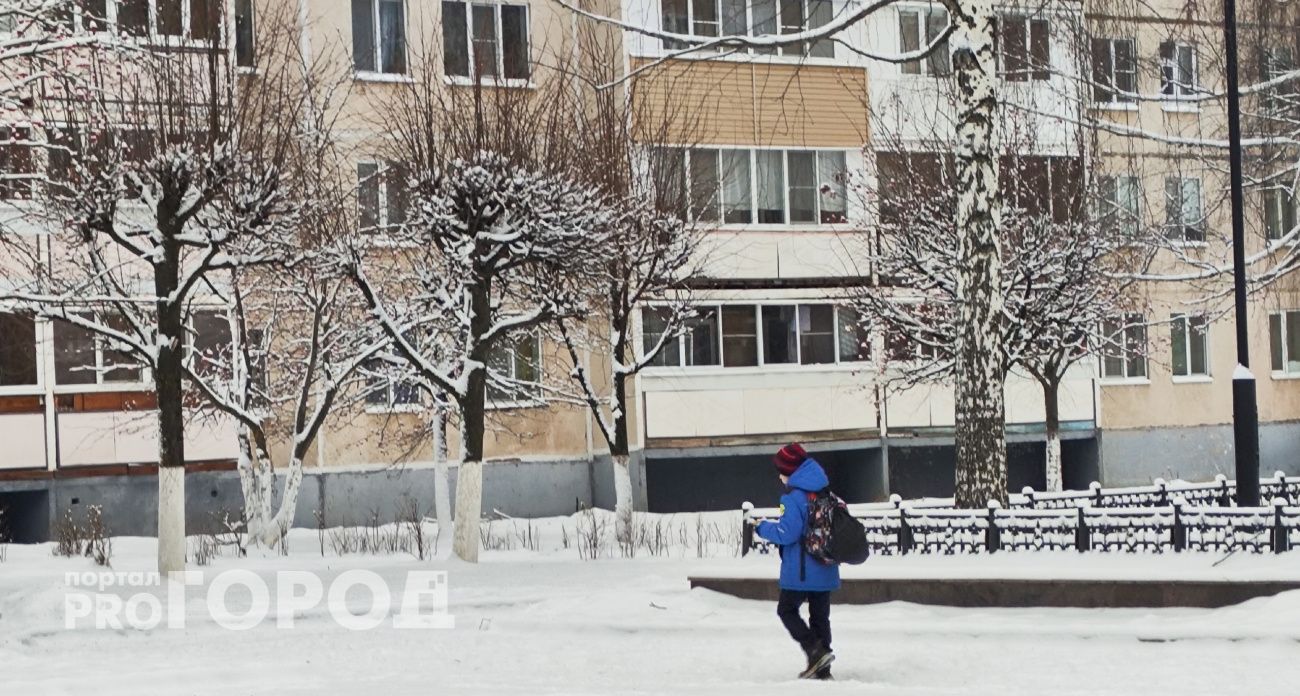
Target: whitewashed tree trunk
x=981, y=434
x=622, y=498
x=171, y=519
x=249, y=484
x=469, y=507
x=441, y=483
x=1052, y=423
x=275, y=530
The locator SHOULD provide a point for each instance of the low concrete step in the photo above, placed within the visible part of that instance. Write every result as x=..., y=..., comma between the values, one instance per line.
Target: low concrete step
x=992, y=592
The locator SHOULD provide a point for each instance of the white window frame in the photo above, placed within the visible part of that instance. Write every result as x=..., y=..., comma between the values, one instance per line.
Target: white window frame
x=1284, y=319
x=1118, y=99
x=378, y=74
x=780, y=53
x=1111, y=199
x=1170, y=66
x=40, y=346
x=1184, y=320
x=144, y=383
x=753, y=187
x=111, y=24
x=922, y=13
x=381, y=183
x=762, y=364
x=492, y=404
x=499, y=78
x=389, y=405
x=1028, y=20
x=1126, y=323
x=1181, y=224
x=1283, y=203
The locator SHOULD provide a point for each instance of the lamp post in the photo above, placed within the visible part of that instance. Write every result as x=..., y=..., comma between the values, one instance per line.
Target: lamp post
x=1245, y=410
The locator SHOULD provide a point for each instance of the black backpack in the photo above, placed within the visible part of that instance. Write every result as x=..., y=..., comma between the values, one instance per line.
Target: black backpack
x=831, y=534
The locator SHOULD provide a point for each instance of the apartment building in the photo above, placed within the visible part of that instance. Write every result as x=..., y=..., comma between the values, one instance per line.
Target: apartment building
x=782, y=158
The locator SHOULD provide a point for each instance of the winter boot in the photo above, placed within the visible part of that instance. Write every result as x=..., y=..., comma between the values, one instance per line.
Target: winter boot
x=824, y=674
x=819, y=657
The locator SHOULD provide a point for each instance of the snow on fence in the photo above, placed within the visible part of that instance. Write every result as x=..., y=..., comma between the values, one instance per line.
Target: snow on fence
x=1154, y=519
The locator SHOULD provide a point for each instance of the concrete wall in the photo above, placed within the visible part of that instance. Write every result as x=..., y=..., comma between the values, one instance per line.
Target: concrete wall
x=1136, y=457
x=130, y=503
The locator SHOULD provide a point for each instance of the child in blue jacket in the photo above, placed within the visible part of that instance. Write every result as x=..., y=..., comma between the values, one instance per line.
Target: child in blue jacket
x=802, y=578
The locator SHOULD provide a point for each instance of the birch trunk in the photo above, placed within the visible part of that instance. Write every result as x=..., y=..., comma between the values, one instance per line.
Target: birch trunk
x=441, y=485
x=980, y=432
x=1053, y=426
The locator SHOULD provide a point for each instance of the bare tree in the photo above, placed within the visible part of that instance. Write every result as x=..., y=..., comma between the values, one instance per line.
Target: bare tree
x=145, y=217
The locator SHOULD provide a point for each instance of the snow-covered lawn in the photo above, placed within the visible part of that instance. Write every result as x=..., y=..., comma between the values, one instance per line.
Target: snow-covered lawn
x=545, y=622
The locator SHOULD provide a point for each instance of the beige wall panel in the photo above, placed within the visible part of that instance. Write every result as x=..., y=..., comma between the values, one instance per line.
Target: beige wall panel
x=731, y=102
x=24, y=438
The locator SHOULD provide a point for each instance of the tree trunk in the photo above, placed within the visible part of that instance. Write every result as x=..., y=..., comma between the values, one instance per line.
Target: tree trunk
x=1051, y=404
x=279, y=525
x=469, y=480
x=171, y=435
x=250, y=482
x=441, y=484
x=622, y=471
x=981, y=433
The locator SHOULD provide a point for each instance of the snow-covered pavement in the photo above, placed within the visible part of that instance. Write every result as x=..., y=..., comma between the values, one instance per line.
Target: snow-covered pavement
x=548, y=623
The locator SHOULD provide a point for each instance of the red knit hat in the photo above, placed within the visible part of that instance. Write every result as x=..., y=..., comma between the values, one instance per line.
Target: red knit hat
x=789, y=458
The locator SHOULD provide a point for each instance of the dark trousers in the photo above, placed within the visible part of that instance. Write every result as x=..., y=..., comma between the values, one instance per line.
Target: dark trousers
x=819, y=616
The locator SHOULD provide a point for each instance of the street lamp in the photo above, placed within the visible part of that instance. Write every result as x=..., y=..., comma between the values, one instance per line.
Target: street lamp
x=1245, y=410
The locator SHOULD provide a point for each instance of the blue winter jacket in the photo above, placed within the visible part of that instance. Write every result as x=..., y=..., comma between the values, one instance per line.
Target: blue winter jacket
x=799, y=571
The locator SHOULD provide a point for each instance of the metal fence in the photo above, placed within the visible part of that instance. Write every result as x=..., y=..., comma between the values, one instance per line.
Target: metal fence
x=1158, y=518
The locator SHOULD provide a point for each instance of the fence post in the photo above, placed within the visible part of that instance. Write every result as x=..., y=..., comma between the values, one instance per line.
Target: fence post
x=1179, y=533
x=1225, y=498
x=1282, y=492
x=993, y=537
x=1028, y=492
x=1281, y=542
x=904, y=532
x=1095, y=487
x=746, y=528
x=1163, y=489
x=1081, y=538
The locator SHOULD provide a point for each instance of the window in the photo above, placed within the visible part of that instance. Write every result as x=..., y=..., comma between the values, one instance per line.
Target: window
x=1183, y=219
x=1177, y=69
x=17, y=166
x=1189, y=345
x=853, y=339
x=1284, y=341
x=516, y=370
x=1120, y=208
x=1275, y=62
x=1124, y=354
x=769, y=187
x=739, y=336
x=170, y=21
x=918, y=29
x=381, y=196
x=485, y=40
x=208, y=343
x=1114, y=70
x=1023, y=48
x=387, y=390
x=1279, y=213
x=17, y=350
x=244, y=41
x=753, y=335
x=379, y=36
x=709, y=19
x=85, y=357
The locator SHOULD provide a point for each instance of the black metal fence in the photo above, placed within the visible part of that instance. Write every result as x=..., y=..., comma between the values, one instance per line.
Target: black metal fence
x=1155, y=519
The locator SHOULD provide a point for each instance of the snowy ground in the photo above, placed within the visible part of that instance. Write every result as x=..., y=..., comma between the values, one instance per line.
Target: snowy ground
x=545, y=622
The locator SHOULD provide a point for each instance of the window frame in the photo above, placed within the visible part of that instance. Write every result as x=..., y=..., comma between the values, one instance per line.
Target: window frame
x=716, y=204
x=1176, y=212
x=1170, y=68
x=760, y=337
x=1278, y=344
x=1110, y=197
x=1285, y=206
x=99, y=347
x=804, y=53
x=1130, y=328
x=382, y=183
x=513, y=400
x=1117, y=98
x=498, y=78
x=923, y=67
x=111, y=25
x=377, y=73
x=18, y=163
x=38, y=357
x=388, y=389
x=1031, y=73
x=1185, y=321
